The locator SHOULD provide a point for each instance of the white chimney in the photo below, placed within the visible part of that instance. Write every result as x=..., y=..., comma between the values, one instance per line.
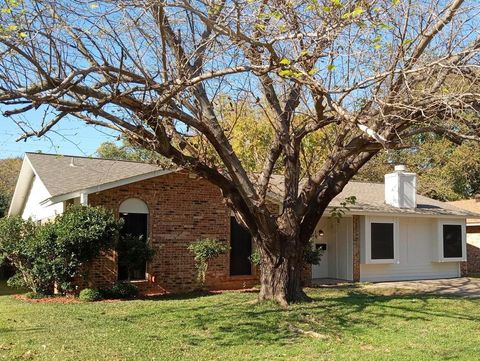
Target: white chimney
x=401, y=188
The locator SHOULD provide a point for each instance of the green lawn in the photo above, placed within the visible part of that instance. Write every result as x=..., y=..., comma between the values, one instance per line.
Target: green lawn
x=347, y=324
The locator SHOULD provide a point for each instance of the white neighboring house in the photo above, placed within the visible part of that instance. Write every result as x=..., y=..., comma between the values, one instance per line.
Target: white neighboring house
x=390, y=233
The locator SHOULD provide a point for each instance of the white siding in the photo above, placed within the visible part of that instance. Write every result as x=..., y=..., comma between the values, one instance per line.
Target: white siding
x=33, y=209
x=418, y=242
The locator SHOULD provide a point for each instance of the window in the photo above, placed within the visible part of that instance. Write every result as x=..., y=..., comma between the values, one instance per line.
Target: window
x=240, y=249
x=452, y=241
x=382, y=241
x=134, y=213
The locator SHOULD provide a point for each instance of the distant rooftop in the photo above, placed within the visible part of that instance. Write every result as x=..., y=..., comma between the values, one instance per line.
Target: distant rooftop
x=471, y=205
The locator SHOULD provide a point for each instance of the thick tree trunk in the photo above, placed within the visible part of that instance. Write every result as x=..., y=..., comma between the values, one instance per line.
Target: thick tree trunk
x=281, y=276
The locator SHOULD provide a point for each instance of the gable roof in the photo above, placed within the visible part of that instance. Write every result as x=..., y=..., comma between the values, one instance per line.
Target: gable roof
x=67, y=174
x=66, y=177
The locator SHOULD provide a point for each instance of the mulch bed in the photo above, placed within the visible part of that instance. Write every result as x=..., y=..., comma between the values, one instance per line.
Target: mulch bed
x=73, y=299
x=53, y=299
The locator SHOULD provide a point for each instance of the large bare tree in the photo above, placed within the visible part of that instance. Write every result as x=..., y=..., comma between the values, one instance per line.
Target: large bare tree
x=365, y=74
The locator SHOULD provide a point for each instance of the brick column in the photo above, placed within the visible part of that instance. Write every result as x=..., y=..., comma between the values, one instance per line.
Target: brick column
x=356, y=248
x=463, y=269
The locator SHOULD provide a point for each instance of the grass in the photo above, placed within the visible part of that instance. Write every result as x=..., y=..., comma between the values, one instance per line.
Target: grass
x=341, y=324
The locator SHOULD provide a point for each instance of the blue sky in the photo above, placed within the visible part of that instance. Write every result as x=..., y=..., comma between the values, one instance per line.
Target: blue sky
x=70, y=137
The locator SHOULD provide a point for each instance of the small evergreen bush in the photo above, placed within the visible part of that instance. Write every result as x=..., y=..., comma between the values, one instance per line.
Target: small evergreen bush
x=122, y=290
x=204, y=250
x=90, y=295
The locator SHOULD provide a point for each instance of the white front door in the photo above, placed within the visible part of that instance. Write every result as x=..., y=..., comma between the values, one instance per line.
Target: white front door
x=321, y=270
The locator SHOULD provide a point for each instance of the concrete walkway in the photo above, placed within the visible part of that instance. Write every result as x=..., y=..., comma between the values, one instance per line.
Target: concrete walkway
x=466, y=287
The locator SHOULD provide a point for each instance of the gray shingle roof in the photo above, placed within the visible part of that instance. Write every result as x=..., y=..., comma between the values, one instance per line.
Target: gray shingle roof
x=370, y=198
x=67, y=174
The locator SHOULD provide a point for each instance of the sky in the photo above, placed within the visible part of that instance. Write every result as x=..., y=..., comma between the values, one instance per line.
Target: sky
x=69, y=137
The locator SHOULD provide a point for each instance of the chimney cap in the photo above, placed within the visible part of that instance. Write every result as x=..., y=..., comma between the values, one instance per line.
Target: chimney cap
x=400, y=168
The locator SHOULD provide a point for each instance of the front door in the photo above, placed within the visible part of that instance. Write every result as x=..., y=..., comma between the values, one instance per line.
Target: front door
x=136, y=225
x=321, y=270
x=240, y=249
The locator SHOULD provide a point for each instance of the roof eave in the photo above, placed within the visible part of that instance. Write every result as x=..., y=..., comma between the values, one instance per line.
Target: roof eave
x=102, y=187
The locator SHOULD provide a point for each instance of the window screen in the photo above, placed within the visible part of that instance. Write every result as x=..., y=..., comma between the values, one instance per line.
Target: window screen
x=382, y=241
x=452, y=241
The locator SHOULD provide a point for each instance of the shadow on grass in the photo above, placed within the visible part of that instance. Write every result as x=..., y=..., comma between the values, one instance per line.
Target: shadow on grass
x=234, y=318
x=7, y=291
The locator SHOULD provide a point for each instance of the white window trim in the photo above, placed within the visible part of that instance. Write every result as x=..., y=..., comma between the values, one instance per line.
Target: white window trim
x=441, y=257
x=368, y=240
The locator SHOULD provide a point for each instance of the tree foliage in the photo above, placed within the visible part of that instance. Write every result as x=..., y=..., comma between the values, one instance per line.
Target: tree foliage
x=127, y=151
x=445, y=171
x=9, y=170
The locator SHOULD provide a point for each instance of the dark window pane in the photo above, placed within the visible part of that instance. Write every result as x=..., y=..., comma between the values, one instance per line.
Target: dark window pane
x=382, y=241
x=452, y=240
x=240, y=249
x=135, y=224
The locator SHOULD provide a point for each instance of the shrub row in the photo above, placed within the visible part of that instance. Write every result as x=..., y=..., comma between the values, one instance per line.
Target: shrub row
x=120, y=290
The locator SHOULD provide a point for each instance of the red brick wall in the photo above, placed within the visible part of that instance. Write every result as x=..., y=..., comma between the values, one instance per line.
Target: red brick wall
x=473, y=249
x=182, y=209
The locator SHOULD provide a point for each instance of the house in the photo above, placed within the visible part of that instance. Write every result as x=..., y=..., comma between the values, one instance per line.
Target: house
x=473, y=233
x=390, y=233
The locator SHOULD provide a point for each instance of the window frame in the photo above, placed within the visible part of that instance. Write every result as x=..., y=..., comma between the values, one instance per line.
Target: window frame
x=440, y=245
x=368, y=240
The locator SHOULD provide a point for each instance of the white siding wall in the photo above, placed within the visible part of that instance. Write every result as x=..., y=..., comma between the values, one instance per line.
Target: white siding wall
x=33, y=209
x=418, y=242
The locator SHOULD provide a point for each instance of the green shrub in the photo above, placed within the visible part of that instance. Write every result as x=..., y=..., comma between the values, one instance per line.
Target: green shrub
x=34, y=295
x=51, y=254
x=82, y=233
x=30, y=247
x=204, y=250
x=90, y=295
x=312, y=255
x=121, y=290
x=134, y=251
x=255, y=258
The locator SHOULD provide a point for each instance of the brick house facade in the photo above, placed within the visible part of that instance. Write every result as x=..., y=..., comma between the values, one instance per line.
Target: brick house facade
x=175, y=208
x=182, y=209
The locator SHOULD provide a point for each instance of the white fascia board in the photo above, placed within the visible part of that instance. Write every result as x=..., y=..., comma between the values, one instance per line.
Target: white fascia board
x=393, y=214
x=22, y=188
x=106, y=186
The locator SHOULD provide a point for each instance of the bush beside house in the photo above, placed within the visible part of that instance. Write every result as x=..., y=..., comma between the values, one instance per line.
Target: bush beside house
x=48, y=256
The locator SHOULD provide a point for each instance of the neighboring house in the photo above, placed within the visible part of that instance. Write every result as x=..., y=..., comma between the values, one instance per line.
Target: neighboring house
x=473, y=233
x=390, y=233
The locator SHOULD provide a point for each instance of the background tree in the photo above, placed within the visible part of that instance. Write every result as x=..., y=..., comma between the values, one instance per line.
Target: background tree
x=368, y=75
x=127, y=151
x=9, y=170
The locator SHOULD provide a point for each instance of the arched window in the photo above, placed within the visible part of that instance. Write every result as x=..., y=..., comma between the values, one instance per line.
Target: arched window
x=134, y=213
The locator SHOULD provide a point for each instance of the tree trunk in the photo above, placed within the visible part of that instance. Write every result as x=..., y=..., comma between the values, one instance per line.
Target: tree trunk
x=281, y=276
